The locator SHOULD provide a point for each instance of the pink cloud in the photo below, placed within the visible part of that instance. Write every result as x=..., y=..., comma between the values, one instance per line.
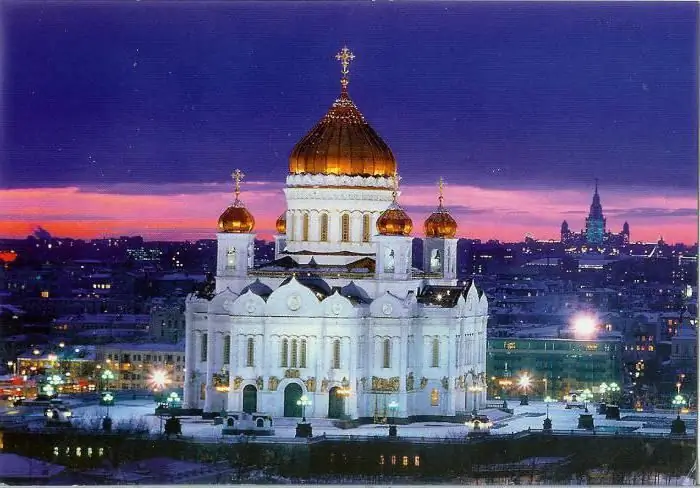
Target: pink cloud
x=191, y=211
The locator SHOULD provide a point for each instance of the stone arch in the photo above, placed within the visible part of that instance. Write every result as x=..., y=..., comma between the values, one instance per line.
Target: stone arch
x=292, y=393
x=250, y=398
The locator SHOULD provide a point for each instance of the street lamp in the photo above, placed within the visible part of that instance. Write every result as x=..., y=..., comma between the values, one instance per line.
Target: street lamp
x=586, y=396
x=678, y=402
x=107, y=376
x=393, y=407
x=474, y=389
x=524, y=383
x=547, y=401
x=614, y=389
x=303, y=402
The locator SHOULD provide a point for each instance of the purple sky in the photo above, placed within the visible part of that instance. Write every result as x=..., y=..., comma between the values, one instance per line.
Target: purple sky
x=133, y=99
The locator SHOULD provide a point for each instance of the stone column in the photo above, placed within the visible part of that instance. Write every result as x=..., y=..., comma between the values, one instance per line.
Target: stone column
x=451, y=352
x=209, y=396
x=403, y=366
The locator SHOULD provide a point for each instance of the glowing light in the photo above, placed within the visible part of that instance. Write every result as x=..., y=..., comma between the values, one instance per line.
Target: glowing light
x=159, y=378
x=524, y=381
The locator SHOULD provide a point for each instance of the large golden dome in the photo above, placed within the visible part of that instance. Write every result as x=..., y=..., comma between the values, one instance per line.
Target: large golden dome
x=342, y=143
x=440, y=223
x=236, y=218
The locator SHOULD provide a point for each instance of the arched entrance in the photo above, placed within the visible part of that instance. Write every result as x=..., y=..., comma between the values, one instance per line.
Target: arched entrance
x=336, y=404
x=292, y=393
x=250, y=399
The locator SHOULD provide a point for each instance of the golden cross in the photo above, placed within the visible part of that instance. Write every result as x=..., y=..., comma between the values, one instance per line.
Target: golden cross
x=344, y=56
x=237, y=176
x=441, y=187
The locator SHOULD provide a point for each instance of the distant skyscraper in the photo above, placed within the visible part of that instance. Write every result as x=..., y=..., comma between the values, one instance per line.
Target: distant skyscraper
x=595, y=223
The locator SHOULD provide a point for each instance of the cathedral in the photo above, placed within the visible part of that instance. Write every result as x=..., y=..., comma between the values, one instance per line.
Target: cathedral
x=340, y=324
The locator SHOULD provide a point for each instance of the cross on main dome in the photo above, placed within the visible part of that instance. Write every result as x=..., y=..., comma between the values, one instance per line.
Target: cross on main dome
x=342, y=142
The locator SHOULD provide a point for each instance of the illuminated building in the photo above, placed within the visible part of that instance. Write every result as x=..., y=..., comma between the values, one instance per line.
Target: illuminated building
x=340, y=316
x=566, y=364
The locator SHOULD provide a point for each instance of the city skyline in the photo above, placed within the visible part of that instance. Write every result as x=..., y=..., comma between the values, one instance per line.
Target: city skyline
x=518, y=107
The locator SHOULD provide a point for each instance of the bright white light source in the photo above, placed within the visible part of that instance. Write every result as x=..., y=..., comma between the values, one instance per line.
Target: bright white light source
x=584, y=326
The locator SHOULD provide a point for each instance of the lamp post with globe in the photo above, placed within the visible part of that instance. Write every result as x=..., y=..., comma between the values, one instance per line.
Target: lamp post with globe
x=547, y=425
x=304, y=427
x=678, y=425
x=107, y=376
x=393, y=407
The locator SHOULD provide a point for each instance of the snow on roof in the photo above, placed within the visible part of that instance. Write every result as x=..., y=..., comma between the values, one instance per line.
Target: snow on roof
x=16, y=466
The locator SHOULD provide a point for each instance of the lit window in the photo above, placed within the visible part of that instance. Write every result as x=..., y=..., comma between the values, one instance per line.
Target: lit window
x=366, y=228
x=651, y=348
x=227, y=349
x=250, y=357
x=294, y=353
x=55, y=451
x=345, y=228
x=404, y=461
x=284, y=354
x=89, y=451
x=393, y=459
x=336, y=354
x=434, y=397
x=436, y=353
x=305, y=228
x=231, y=258
x=381, y=458
x=44, y=294
x=203, y=350
x=101, y=452
x=302, y=360
x=387, y=354
x=416, y=461
x=324, y=227
x=78, y=451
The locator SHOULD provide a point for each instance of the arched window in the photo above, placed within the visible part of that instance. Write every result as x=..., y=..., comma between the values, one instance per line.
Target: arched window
x=250, y=356
x=284, y=354
x=231, y=258
x=294, y=353
x=345, y=228
x=336, y=354
x=302, y=355
x=324, y=228
x=434, y=397
x=436, y=353
x=227, y=349
x=305, y=227
x=366, y=228
x=387, y=354
x=203, y=348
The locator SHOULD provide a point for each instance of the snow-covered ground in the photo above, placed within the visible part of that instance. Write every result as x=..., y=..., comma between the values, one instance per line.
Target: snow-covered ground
x=524, y=417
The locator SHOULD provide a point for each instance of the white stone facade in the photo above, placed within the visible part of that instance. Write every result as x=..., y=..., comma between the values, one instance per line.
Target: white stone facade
x=358, y=343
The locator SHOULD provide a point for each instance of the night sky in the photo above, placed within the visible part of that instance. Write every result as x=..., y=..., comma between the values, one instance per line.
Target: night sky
x=128, y=117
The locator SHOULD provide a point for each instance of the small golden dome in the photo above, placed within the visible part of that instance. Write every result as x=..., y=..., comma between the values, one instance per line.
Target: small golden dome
x=342, y=143
x=440, y=223
x=394, y=221
x=236, y=218
x=281, y=223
